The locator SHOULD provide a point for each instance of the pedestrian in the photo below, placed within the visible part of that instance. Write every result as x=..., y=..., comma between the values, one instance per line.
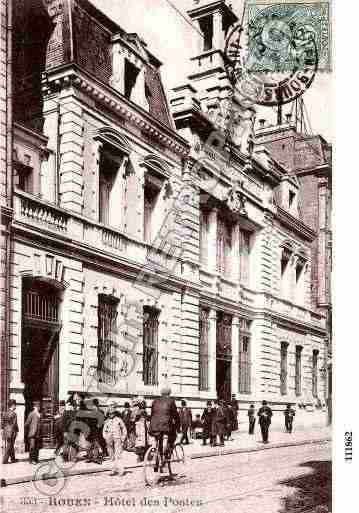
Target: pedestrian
x=265, y=416
x=141, y=430
x=126, y=416
x=219, y=423
x=185, y=414
x=10, y=430
x=96, y=419
x=207, y=418
x=289, y=414
x=251, y=419
x=32, y=428
x=197, y=427
x=234, y=404
x=115, y=433
x=59, y=429
x=231, y=417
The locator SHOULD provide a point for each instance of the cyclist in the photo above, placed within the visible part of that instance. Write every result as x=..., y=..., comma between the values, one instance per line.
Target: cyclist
x=165, y=420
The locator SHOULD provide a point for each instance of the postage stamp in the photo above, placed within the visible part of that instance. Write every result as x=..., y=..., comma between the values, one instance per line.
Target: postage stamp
x=282, y=36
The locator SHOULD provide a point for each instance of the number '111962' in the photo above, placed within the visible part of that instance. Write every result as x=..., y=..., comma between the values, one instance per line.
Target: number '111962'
x=348, y=446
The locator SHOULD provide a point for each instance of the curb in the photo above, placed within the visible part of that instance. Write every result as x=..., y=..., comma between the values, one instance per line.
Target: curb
x=220, y=452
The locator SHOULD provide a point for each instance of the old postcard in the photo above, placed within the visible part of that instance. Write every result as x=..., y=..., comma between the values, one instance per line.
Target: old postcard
x=166, y=250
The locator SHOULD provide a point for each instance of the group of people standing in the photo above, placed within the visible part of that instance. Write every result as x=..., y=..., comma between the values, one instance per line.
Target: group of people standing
x=219, y=420
x=82, y=425
x=265, y=414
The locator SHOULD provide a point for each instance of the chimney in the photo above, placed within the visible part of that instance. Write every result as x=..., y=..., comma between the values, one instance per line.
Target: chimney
x=262, y=123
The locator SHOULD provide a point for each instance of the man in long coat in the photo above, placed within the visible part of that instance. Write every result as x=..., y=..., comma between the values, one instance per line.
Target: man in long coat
x=10, y=430
x=164, y=420
x=289, y=414
x=207, y=418
x=265, y=418
x=32, y=428
x=186, y=422
x=219, y=423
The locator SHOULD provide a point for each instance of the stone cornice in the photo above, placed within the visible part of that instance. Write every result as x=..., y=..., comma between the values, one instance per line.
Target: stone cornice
x=71, y=75
x=295, y=225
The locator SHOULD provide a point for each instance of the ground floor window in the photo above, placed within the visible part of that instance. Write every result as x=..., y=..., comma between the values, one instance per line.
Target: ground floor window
x=244, y=358
x=315, y=373
x=283, y=367
x=298, y=370
x=107, y=334
x=150, y=345
x=203, y=349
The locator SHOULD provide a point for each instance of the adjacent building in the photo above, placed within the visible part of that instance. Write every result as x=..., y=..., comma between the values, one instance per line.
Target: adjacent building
x=147, y=244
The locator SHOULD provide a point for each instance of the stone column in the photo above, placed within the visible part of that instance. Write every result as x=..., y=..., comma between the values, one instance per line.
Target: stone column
x=212, y=241
x=235, y=356
x=212, y=343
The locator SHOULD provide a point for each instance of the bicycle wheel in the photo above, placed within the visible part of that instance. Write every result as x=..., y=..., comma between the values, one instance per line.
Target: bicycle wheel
x=177, y=464
x=150, y=461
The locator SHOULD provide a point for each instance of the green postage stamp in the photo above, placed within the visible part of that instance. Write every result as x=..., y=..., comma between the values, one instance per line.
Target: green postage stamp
x=280, y=34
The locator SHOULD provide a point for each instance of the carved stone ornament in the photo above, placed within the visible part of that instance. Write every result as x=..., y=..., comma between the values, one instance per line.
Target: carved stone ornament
x=236, y=201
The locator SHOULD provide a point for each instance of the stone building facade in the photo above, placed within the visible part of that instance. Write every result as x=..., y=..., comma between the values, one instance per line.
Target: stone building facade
x=146, y=248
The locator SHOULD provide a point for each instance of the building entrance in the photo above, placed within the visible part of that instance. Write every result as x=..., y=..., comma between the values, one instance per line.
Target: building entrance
x=40, y=334
x=224, y=356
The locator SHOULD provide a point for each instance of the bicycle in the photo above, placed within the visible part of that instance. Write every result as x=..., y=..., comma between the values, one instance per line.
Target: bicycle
x=159, y=456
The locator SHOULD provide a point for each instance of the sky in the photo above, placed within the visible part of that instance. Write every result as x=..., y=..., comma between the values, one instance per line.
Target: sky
x=172, y=38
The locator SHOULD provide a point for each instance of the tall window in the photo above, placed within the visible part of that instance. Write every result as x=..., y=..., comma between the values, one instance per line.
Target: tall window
x=299, y=281
x=244, y=240
x=203, y=236
x=203, y=349
x=206, y=26
x=150, y=345
x=285, y=272
x=151, y=194
x=23, y=177
x=315, y=373
x=244, y=358
x=131, y=74
x=224, y=246
x=283, y=367
x=111, y=161
x=107, y=333
x=298, y=370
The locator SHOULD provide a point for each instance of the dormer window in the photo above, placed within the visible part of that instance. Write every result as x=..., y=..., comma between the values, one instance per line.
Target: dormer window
x=24, y=177
x=206, y=27
x=131, y=74
x=291, y=199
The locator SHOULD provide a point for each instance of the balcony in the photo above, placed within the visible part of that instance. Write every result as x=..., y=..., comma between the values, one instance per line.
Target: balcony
x=33, y=213
x=288, y=309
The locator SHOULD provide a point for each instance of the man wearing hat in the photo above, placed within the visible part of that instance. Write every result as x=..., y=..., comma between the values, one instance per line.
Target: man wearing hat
x=10, y=430
x=265, y=416
x=165, y=420
x=32, y=430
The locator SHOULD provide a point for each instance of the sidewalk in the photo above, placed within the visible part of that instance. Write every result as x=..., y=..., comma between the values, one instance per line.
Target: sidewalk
x=22, y=471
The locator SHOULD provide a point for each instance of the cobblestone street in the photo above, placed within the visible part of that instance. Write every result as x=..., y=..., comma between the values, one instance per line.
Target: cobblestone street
x=283, y=480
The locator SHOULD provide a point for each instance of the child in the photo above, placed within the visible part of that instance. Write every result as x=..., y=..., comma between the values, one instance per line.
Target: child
x=141, y=442
x=115, y=433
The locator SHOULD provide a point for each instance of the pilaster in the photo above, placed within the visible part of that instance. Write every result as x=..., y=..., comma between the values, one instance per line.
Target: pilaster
x=212, y=344
x=235, y=355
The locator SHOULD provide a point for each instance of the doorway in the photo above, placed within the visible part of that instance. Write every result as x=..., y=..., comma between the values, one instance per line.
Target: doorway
x=40, y=352
x=224, y=356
